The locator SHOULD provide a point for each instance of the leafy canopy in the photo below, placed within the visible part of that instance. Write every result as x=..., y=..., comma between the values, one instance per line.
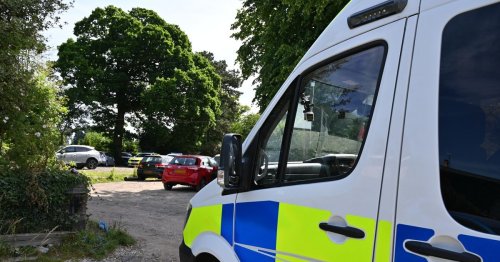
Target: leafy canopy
x=136, y=68
x=275, y=35
x=30, y=107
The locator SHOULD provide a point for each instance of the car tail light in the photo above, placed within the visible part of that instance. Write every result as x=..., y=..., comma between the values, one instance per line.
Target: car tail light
x=140, y=165
x=158, y=165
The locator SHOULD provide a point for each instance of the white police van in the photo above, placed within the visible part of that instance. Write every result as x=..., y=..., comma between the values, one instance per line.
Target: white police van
x=382, y=145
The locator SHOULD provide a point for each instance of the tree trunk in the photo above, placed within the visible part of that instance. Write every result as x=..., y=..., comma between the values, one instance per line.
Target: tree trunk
x=118, y=135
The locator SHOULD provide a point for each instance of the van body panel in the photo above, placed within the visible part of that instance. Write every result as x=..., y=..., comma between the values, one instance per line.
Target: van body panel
x=387, y=208
x=394, y=192
x=422, y=214
x=266, y=220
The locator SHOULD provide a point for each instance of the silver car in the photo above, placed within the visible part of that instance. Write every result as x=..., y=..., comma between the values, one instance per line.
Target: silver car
x=81, y=156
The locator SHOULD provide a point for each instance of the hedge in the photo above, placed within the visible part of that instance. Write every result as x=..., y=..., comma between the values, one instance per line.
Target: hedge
x=32, y=203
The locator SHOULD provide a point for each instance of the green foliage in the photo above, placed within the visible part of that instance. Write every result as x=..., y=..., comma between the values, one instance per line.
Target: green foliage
x=97, y=140
x=136, y=68
x=230, y=108
x=37, y=203
x=5, y=250
x=131, y=146
x=275, y=35
x=114, y=175
x=29, y=132
x=91, y=243
x=181, y=109
x=111, y=176
x=29, y=107
x=245, y=124
x=22, y=20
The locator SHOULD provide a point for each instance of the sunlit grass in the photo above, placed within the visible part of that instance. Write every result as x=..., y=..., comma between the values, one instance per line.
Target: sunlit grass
x=113, y=175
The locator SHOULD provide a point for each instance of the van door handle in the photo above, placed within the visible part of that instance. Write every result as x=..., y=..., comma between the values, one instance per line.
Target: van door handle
x=427, y=249
x=347, y=231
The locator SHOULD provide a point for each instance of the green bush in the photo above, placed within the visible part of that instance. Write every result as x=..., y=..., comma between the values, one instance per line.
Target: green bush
x=97, y=140
x=37, y=202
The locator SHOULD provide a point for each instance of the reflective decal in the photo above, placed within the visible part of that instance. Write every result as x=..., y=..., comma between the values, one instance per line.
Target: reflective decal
x=227, y=223
x=487, y=249
x=384, y=242
x=406, y=232
x=249, y=254
x=256, y=224
x=302, y=223
x=202, y=219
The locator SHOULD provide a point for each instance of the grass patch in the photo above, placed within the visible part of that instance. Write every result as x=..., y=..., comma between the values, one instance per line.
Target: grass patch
x=112, y=175
x=90, y=243
x=5, y=250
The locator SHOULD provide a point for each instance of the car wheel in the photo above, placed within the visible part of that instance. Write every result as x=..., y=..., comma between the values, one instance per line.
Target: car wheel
x=92, y=163
x=141, y=177
x=167, y=186
x=201, y=185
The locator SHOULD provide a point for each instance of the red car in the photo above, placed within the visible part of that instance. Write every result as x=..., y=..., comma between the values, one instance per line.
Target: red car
x=195, y=171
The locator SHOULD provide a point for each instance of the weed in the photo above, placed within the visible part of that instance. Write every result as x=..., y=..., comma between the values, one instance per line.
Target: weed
x=5, y=250
x=111, y=176
x=92, y=242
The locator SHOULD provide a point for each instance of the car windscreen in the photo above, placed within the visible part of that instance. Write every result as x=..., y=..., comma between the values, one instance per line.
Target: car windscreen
x=183, y=161
x=166, y=159
x=152, y=159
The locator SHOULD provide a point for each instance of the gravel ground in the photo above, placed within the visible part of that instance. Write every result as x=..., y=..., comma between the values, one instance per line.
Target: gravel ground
x=152, y=215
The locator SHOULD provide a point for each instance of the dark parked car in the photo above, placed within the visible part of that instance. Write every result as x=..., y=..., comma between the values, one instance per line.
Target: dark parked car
x=125, y=156
x=152, y=166
x=109, y=160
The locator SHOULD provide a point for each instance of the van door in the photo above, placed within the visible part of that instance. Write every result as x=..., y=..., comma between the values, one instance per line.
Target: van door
x=449, y=189
x=318, y=159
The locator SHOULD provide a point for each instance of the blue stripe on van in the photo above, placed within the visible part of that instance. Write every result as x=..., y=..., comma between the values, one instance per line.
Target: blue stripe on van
x=256, y=224
x=487, y=249
x=407, y=232
x=226, y=230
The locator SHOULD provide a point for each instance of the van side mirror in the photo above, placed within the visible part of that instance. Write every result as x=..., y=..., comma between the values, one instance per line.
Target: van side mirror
x=229, y=172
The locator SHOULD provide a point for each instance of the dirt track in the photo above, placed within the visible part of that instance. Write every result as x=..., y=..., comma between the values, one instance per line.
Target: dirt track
x=151, y=214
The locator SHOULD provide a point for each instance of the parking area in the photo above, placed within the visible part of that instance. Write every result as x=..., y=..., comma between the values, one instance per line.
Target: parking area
x=152, y=215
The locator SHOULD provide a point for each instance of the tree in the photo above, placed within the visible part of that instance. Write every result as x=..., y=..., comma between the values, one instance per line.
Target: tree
x=275, y=35
x=30, y=108
x=96, y=140
x=245, y=122
x=30, y=132
x=115, y=58
x=230, y=108
x=179, y=110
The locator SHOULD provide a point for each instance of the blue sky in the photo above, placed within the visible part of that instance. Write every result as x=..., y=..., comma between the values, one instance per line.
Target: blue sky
x=207, y=24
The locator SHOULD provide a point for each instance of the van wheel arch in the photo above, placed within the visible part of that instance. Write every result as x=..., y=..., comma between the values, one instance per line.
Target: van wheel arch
x=206, y=257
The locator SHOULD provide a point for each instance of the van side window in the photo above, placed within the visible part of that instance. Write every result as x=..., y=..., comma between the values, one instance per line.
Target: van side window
x=334, y=108
x=270, y=150
x=469, y=119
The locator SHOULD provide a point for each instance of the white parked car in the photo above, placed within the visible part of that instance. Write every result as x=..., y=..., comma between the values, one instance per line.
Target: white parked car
x=82, y=156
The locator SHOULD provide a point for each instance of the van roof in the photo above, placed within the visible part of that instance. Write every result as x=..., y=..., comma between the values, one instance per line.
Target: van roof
x=338, y=30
